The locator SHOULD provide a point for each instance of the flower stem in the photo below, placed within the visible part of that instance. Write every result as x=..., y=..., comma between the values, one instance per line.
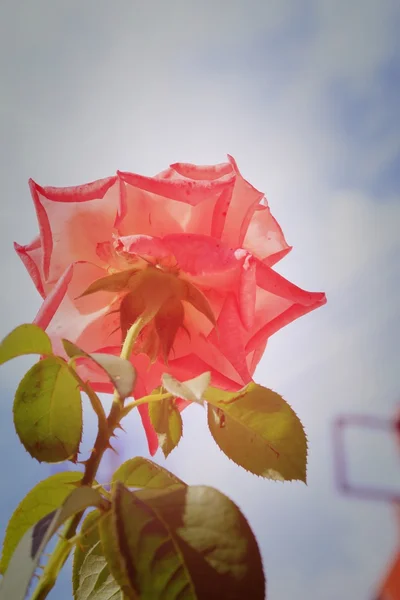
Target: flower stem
x=64, y=546
x=94, y=401
x=145, y=400
x=131, y=337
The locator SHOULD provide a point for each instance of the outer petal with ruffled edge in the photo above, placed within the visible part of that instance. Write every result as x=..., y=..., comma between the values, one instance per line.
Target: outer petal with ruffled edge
x=32, y=257
x=72, y=221
x=160, y=205
x=278, y=303
x=85, y=321
x=213, y=200
x=264, y=237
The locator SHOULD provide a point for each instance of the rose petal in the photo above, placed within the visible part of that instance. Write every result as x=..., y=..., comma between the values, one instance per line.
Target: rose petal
x=105, y=251
x=159, y=206
x=243, y=202
x=199, y=254
x=192, y=365
x=207, y=261
x=290, y=314
x=182, y=170
x=183, y=190
x=210, y=353
x=270, y=280
x=86, y=321
x=32, y=257
x=151, y=436
x=229, y=337
x=54, y=299
x=268, y=307
x=221, y=211
x=254, y=357
x=140, y=212
x=143, y=245
x=264, y=238
x=224, y=200
x=278, y=302
x=72, y=221
x=148, y=378
x=247, y=292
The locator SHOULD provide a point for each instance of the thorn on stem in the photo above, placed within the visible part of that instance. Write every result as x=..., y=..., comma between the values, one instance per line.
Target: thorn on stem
x=110, y=447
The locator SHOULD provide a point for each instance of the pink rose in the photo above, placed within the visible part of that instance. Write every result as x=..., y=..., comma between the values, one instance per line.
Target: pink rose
x=213, y=240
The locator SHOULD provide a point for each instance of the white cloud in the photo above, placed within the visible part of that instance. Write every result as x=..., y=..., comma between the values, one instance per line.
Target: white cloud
x=353, y=39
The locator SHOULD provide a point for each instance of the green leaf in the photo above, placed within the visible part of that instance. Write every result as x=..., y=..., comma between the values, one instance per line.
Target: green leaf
x=192, y=543
x=46, y=496
x=191, y=390
x=88, y=537
x=120, y=371
x=117, y=282
x=48, y=411
x=91, y=577
x=141, y=472
x=27, y=555
x=96, y=581
x=259, y=431
x=25, y=339
x=167, y=422
x=114, y=558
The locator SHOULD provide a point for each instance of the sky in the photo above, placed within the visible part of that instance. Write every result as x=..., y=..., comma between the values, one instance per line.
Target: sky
x=305, y=94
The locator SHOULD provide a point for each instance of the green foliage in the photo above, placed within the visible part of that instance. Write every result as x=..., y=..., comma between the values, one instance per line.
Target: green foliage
x=91, y=577
x=113, y=555
x=25, y=339
x=121, y=372
x=191, y=390
x=191, y=543
x=167, y=422
x=26, y=557
x=259, y=431
x=164, y=540
x=46, y=496
x=141, y=472
x=48, y=411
